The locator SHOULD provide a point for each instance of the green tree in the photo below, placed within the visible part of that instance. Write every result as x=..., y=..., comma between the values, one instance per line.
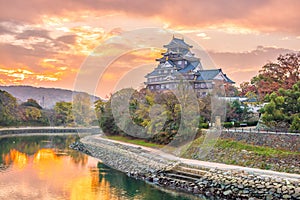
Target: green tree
x=63, y=113
x=99, y=106
x=236, y=111
x=32, y=113
x=83, y=109
x=282, y=111
x=107, y=121
x=8, y=109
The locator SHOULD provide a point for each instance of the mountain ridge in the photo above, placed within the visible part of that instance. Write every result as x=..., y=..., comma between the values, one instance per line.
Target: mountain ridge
x=46, y=97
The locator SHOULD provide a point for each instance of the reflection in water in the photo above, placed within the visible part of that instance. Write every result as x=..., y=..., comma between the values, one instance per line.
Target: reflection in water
x=18, y=159
x=43, y=167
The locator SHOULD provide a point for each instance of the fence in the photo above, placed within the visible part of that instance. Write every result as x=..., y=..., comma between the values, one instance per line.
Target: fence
x=257, y=130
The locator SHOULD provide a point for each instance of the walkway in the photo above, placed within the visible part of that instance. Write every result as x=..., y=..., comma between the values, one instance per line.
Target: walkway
x=204, y=164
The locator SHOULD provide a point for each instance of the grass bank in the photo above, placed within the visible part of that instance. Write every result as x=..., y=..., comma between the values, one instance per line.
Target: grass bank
x=135, y=141
x=239, y=153
x=233, y=152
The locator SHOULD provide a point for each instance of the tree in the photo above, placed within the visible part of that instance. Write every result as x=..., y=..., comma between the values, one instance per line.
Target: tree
x=83, y=109
x=99, y=107
x=32, y=103
x=63, y=113
x=8, y=109
x=107, y=121
x=230, y=90
x=154, y=116
x=236, y=111
x=273, y=76
x=205, y=108
x=32, y=114
x=282, y=111
x=247, y=87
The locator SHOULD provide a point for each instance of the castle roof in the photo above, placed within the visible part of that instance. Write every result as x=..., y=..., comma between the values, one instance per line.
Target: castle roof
x=188, y=68
x=176, y=42
x=211, y=74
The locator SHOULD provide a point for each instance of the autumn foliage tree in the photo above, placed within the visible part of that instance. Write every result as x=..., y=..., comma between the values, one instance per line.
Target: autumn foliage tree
x=282, y=74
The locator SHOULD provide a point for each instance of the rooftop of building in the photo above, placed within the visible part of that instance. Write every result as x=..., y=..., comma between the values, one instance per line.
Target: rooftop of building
x=177, y=42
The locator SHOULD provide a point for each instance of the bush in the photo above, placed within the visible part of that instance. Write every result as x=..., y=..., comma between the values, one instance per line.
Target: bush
x=227, y=125
x=252, y=123
x=163, y=137
x=236, y=124
x=204, y=125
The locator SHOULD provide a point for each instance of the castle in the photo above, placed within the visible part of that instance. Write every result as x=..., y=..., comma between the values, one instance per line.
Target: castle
x=179, y=62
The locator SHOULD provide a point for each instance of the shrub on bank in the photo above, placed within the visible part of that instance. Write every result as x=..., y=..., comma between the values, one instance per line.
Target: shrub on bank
x=252, y=123
x=204, y=125
x=227, y=125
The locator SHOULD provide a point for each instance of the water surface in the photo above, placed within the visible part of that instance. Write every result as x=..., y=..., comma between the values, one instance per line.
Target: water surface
x=43, y=167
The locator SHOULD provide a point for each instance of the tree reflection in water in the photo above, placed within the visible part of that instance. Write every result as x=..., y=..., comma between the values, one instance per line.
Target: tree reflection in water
x=43, y=167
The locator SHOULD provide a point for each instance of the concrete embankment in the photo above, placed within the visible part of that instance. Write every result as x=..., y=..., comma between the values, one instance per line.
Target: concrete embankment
x=212, y=180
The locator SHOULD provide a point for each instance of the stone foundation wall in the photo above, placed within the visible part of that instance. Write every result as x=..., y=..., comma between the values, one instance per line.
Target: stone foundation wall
x=125, y=158
x=284, y=141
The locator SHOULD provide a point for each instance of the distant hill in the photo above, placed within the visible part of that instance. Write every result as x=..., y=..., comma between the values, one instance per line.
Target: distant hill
x=46, y=97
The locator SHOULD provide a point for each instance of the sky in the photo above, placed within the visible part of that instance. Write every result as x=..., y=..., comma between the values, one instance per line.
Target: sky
x=49, y=43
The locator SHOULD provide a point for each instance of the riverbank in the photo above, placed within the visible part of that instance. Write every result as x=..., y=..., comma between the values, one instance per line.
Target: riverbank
x=213, y=180
x=242, y=153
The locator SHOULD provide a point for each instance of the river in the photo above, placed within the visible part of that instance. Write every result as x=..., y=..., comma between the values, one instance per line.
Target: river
x=44, y=167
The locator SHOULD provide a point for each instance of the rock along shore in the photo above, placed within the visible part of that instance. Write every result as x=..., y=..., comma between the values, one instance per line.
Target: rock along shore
x=171, y=172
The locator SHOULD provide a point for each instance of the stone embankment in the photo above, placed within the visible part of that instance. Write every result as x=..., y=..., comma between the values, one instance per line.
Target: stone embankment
x=43, y=130
x=174, y=173
x=125, y=158
x=286, y=141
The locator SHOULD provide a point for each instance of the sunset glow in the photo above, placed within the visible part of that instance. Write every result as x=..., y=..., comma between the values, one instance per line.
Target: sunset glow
x=46, y=167
x=46, y=43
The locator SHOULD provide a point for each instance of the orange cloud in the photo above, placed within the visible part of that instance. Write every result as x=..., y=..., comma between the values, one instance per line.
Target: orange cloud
x=271, y=15
x=23, y=76
x=47, y=42
x=243, y=66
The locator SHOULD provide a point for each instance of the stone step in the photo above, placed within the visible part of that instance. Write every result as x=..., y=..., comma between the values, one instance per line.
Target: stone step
x=188, y=174
x=181, y=177
x=192, y=171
